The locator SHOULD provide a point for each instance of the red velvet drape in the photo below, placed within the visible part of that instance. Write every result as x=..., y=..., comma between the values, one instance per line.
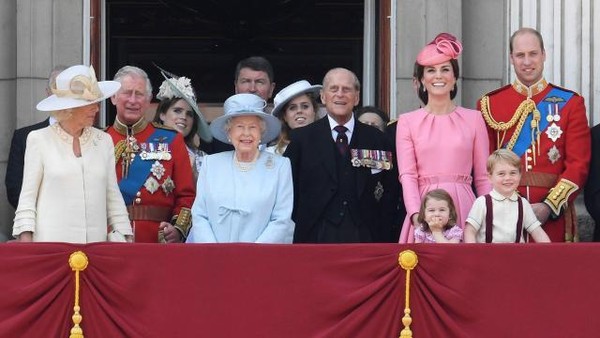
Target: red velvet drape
x=245, y=290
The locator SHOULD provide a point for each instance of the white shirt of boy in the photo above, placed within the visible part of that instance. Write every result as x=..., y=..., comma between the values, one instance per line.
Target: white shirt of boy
x=506, y=214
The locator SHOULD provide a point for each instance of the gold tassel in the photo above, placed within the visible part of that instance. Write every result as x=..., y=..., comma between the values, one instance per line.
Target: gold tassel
x=535, y=134
x=408, y=260
x=78, y=261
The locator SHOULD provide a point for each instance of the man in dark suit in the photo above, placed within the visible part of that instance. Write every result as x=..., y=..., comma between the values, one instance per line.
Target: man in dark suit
x=16, y=157
x=253, y=75
x=341, y=171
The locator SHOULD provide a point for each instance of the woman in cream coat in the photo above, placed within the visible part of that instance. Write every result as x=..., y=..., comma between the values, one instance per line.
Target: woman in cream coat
x=70, y=192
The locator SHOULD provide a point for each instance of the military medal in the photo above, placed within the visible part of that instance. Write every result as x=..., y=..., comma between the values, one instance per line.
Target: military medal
x=550, y=116
x=143, y=153
x=374, y=159
x=151, y=185
x=157, y=170
x=164, y=153
x=556, y=117
x=553, y=154
x=553, y=108
x=554, y=132
x=168, y=185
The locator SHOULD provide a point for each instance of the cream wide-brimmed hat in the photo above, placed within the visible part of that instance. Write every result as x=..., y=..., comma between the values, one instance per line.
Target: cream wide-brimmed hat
x=181, y=87
x=245, y=105
x=75, y=87
x=290, y=92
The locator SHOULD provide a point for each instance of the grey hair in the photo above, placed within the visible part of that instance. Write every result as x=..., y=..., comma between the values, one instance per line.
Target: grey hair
x=327, y=76
x=134, y=71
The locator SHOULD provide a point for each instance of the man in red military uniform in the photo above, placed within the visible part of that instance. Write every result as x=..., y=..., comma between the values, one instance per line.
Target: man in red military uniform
x=547, y=127
x=153, y=167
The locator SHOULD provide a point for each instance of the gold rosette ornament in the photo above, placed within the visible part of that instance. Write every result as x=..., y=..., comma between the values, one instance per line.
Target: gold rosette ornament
x=78, y=261
x=408, y=260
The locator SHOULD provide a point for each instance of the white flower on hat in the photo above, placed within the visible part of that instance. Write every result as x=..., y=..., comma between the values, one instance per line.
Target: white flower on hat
x=183, y=84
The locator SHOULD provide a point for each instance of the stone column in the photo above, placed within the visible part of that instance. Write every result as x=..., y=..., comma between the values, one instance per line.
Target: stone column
x=8, y=60
x=36, y=35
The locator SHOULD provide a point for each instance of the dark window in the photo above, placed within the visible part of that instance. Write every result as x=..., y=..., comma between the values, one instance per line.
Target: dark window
x=205, y=39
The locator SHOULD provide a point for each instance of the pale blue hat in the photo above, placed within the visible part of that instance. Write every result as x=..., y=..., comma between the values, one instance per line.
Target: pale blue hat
x=245, y=105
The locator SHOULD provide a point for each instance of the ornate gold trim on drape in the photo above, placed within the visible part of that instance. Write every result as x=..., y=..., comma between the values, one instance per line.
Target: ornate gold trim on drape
x=408, y=260
x=78, y=261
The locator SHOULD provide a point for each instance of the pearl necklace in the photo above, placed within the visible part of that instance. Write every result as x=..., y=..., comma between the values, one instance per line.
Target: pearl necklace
x=244, y=166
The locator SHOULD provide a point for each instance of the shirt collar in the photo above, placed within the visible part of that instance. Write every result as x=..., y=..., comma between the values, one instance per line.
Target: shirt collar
x=499, y=197
x=137, y=127
x=349, y=124
x=532, y=90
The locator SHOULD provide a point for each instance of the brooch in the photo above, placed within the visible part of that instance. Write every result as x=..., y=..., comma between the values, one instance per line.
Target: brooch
x=553, y=154
x=378, y=191
x=157, y=170
x=151, y=185
x=269, y=163
x=168, y=185
x=554, y=132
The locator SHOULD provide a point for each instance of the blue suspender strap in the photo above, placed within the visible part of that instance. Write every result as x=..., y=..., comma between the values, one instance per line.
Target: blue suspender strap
x=556, y=96
x=140, y=169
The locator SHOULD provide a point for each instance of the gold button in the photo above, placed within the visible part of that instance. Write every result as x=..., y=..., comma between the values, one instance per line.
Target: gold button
x=529, y=158
x=138, y=200
x=138, y=194
x=529, y=167
x=529, y=151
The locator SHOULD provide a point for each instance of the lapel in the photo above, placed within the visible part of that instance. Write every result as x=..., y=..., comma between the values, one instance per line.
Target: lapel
x=325, y=147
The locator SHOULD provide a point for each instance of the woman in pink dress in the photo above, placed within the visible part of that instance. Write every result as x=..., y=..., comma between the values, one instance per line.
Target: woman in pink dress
x=441, y=145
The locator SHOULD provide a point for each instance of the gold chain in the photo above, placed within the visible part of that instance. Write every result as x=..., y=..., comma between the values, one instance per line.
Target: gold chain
x=119, y=149
x=515, y=135
x=498, y=126
x=520, y=115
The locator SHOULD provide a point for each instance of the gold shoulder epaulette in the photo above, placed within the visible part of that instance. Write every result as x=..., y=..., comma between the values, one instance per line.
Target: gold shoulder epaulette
x=559, y=195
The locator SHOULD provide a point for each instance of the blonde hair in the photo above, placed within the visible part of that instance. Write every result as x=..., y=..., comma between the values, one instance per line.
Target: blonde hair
x=504, y=156
x=440, y=195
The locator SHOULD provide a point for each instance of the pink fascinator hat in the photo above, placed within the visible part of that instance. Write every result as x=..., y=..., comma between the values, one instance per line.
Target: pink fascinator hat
x=444, y=47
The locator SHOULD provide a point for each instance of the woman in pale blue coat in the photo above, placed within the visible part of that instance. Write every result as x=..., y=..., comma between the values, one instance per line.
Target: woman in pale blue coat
x=245, y=195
